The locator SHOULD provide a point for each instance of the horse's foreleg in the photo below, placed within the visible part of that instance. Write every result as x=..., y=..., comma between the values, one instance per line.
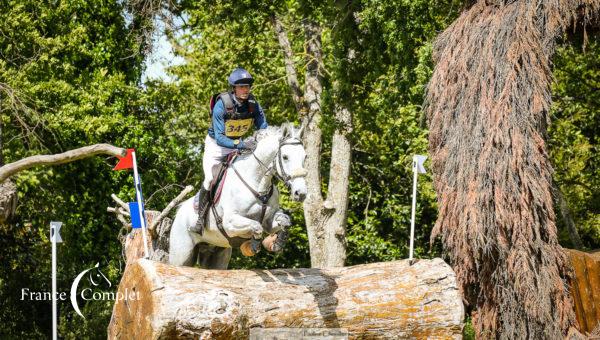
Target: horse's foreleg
x=238, y=225
x=280, y=221
x=279, y=224
x=182, y=253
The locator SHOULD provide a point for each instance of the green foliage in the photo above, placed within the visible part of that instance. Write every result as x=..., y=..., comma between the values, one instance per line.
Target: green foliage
x=74, y=70
x=76, y=67
x=573, y=137
x=468, y=331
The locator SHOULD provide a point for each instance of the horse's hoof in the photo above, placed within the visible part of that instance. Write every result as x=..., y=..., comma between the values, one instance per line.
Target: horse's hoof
x=248, y=249
x=269, y=243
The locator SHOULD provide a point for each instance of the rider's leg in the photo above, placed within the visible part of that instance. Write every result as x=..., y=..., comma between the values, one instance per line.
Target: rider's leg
x=202, y=206
x=212, y=156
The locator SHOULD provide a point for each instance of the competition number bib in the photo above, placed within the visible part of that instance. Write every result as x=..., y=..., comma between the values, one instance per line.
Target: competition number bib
x=237, y=127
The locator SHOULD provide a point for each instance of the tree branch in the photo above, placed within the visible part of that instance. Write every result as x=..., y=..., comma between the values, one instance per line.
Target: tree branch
x=288, y=57
x=72, y=155
x=170, y=206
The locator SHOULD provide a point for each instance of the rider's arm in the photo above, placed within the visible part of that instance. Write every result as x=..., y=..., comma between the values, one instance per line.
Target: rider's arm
x=218, y=123
x=260, y=122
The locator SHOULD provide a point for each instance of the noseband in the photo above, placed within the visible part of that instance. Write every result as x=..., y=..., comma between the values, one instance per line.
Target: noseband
x=284, y=177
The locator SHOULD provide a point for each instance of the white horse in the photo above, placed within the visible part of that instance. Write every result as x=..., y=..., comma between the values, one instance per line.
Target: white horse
x=279, y=152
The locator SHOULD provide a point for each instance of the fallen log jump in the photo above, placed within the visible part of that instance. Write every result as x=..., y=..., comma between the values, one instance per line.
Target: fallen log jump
x=378, y=300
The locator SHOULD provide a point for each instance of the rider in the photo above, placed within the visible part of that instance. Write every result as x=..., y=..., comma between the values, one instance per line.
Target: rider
x=227, y=129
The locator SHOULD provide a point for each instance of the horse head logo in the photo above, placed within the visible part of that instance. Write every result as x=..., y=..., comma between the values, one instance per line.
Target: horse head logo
x=95, y=278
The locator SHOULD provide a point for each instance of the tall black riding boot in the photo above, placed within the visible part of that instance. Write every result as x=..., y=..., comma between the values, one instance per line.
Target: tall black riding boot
x=203, y=204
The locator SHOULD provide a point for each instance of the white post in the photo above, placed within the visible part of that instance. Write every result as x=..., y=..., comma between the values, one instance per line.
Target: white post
x=412, y=215
x=417, y=167
x=54, y=238
x=54, y=307
x=138, y=195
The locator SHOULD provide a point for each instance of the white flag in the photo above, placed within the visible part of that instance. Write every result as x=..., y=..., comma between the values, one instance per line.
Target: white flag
x=54, y=232
x=418, y=161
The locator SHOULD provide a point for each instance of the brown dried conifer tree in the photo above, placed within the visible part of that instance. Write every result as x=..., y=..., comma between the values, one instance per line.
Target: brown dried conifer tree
x=487, y=106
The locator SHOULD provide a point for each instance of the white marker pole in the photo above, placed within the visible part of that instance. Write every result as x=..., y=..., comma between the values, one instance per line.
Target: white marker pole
x=138, y=195
x=54, y=238
x=417, y=168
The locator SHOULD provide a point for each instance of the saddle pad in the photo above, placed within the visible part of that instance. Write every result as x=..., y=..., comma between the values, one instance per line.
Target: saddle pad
x=216, y=186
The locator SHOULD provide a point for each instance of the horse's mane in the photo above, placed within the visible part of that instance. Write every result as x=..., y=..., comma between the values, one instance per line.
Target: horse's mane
x=273, y=130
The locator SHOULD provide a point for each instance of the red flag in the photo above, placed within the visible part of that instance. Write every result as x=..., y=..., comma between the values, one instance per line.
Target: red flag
x=125, y=162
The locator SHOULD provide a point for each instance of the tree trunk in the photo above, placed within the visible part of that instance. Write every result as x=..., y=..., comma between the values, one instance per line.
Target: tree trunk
x=337, y=192
x=325, y=218
x=290, y=70
x=8, y=200
x=389, y=300
x=313, y=205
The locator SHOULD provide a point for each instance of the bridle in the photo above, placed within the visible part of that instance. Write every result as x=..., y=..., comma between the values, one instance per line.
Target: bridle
x=276, y=169
x=273, y=170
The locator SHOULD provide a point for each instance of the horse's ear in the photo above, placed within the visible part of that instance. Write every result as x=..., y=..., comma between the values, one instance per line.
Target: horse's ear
x=285, y=130
x=300, y=132
x=258, y=134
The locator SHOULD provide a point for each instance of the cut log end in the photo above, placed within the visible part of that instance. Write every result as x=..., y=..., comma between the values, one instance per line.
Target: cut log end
x=585, y=289
x=378, y=300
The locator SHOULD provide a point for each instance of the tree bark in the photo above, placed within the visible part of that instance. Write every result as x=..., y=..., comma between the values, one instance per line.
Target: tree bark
x=313, y=205
x=72, y=155
x=8, y=200
x=337, y=192
x=389, y=300
x=290, y=70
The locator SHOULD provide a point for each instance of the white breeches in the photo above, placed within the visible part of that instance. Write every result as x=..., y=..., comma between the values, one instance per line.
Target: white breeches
x=213, y=154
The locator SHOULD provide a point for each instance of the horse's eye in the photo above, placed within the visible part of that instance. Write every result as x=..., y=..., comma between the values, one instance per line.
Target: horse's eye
x=285, y=157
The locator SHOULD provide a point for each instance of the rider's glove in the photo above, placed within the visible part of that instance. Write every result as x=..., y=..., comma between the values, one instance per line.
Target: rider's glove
x=248, y=143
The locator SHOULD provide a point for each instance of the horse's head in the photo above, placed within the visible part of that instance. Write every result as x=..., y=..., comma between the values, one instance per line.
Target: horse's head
x=289, y=154
x=289, y=161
